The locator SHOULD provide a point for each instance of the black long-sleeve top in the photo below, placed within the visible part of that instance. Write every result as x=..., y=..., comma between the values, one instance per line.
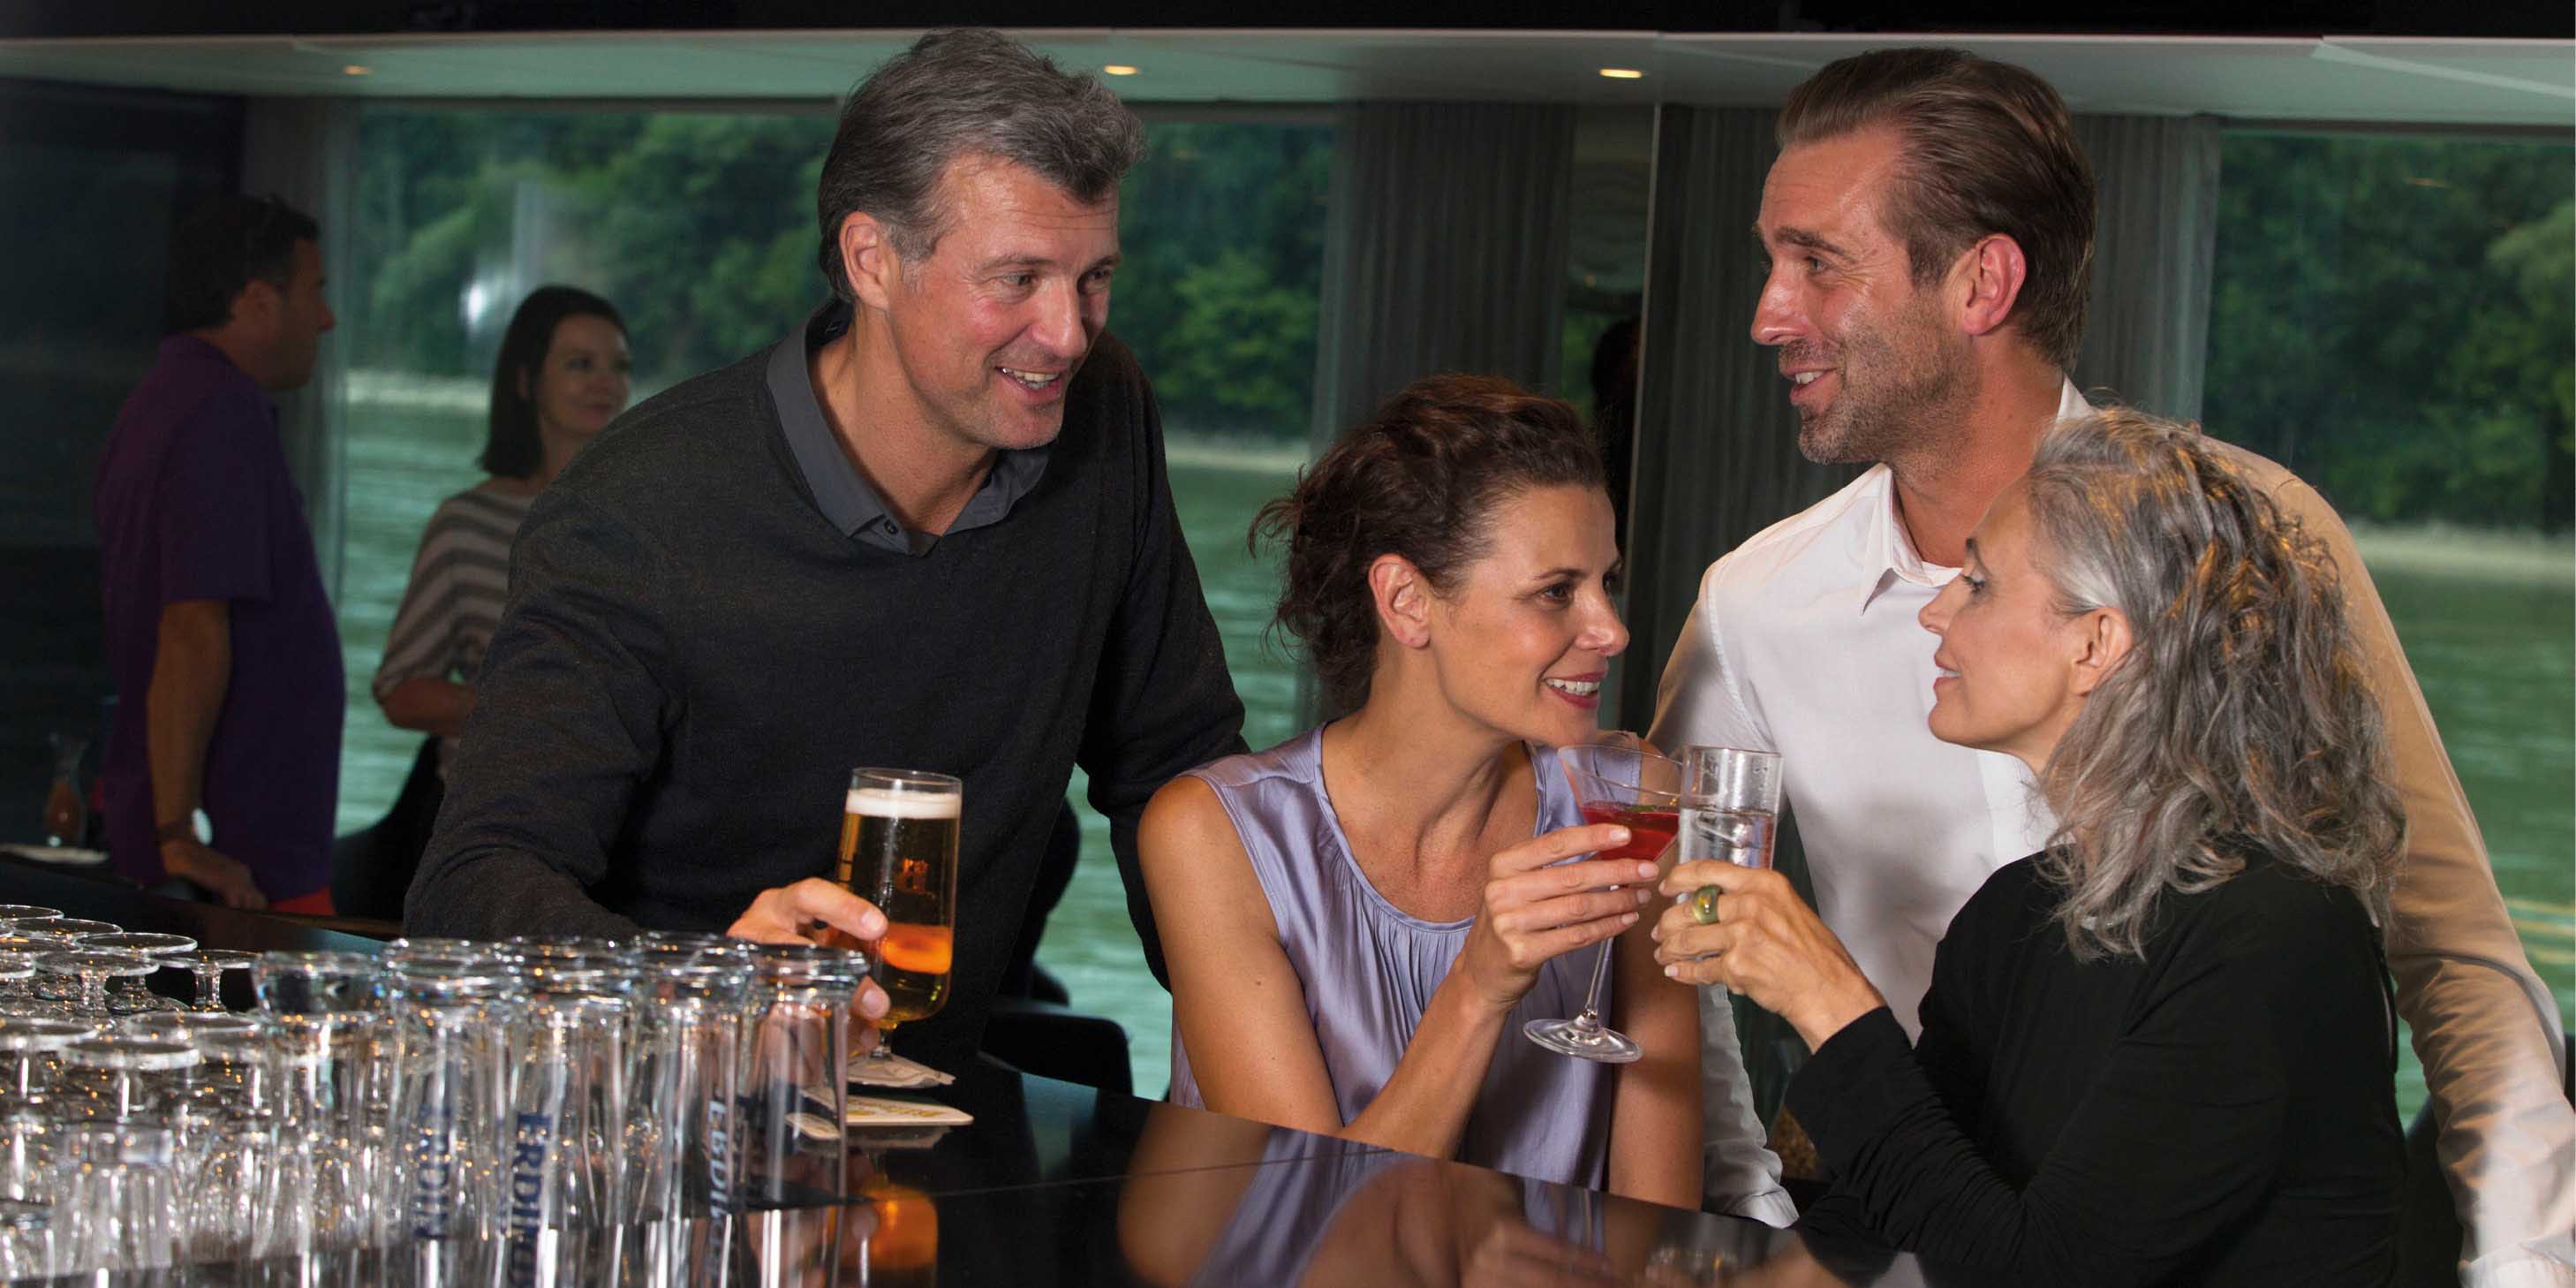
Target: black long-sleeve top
x=707, y=630
x=2220, y=1113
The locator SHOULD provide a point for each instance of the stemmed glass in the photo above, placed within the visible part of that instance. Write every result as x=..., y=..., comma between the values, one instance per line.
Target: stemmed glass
x=93, y=969
x=133, y=998
x=18, y=985
x=1616, y=778
x=209, y=965
x=48, y=994
x=899, y=831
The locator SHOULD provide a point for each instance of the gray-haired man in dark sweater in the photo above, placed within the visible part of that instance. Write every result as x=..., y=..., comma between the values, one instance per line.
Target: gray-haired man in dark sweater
x=930, y=529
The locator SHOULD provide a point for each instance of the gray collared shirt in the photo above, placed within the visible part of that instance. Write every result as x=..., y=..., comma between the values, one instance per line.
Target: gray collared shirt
x=844, y=496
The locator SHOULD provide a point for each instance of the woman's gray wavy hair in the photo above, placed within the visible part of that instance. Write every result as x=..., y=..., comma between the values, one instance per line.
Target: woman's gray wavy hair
x=2242, y=718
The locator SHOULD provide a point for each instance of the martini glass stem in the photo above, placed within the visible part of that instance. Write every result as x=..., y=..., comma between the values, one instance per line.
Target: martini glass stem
x=1591, y=1017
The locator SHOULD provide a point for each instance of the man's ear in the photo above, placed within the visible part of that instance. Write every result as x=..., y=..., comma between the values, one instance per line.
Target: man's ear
x=2102, y=642
x=1994, y=271
x=257, y=307
x=868, y=259
x=1403, y=600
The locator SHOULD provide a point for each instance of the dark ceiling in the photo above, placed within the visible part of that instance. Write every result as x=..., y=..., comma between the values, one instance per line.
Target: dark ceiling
x=2518, y=18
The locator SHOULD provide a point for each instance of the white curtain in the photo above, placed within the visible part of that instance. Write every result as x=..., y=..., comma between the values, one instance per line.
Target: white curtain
x=304, y=151
x=1446, y=252
x=2146, y=336
x=1717, y=442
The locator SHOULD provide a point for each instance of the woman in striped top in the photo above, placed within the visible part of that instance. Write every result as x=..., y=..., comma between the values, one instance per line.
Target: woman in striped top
x=562, y=376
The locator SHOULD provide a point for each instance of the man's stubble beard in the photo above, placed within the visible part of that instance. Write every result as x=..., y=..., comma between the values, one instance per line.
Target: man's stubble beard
x=1910, y=407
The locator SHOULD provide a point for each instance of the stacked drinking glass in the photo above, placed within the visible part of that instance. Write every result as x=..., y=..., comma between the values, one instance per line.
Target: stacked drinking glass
x=536, y=1111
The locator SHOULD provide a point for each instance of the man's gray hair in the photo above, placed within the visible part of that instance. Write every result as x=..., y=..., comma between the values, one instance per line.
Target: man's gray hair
x=959, y=93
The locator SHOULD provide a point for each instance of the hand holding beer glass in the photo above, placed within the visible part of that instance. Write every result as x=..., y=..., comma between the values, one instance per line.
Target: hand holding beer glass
x=899, y=852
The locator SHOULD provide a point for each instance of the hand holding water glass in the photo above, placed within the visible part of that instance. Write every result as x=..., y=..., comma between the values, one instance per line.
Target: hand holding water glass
x=1730, y=812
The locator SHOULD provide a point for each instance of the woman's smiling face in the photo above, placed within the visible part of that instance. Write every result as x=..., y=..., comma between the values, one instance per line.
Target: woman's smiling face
x=2008, y=653
x=1525, y=637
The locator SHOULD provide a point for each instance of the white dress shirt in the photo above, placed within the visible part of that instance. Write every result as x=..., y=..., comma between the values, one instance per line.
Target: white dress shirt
x=1804, y=641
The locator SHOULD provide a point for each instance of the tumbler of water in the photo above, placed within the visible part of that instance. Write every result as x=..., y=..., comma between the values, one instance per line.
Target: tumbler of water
x=27, y=1240
x=449, y=1059
x=794, y=1076
x=689, y=1022
x=31, y=1058
x=326, y=1009
x=683, y=1146
x=563, y=1150
x=1730, y=805
x=118, y=1178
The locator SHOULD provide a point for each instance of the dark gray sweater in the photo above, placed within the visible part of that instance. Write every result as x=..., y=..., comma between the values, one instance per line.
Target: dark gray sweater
x=694, y=657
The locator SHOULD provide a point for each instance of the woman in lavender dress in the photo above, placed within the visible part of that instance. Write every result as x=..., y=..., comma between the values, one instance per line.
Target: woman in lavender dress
x=1359, y=921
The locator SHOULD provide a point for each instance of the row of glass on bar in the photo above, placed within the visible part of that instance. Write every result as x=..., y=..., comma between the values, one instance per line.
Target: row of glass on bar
x=534, y=1111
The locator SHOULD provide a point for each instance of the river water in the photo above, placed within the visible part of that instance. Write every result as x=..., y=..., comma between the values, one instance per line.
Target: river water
x=2489, y=625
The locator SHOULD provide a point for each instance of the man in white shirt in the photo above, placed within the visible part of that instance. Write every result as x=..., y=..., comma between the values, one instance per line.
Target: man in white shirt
x=1929, y=224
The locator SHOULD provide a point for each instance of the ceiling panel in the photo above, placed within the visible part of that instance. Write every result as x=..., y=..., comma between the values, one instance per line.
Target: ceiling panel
x=2531, y=83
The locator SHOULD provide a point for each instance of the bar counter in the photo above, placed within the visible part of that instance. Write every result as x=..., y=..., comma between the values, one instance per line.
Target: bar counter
x=1060, y=1184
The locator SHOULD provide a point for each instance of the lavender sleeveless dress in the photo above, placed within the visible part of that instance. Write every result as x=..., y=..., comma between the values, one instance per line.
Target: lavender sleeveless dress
x=1369, y=970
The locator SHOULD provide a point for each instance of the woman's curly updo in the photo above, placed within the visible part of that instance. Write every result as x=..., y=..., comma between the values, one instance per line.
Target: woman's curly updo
x=1419, y=479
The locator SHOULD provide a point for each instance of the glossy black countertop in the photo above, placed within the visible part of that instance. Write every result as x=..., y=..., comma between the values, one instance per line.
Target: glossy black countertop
x=1056, y=1185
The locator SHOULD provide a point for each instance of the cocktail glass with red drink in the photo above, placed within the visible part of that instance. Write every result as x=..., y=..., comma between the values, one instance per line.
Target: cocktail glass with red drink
x=1616, y=778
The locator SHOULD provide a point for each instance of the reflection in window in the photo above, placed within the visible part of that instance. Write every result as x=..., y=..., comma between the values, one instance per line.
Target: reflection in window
x=1222, y=230
x=2391, y=319
x=699, y=227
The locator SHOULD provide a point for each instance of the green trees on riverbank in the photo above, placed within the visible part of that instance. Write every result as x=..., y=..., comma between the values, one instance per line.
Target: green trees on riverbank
x=2391, y=315
x=2392, y=319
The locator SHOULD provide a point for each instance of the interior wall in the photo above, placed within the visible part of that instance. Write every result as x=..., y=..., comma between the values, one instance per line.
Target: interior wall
x=91, y=182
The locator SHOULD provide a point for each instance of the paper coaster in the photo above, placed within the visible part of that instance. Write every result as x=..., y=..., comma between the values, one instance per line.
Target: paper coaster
x=890, y=1111
x=895, y=1071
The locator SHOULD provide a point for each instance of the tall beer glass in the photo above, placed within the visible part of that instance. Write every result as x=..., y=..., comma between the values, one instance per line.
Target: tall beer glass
x=899, y=852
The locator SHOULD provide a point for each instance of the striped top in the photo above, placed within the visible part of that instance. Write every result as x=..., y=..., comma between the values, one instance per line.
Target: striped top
x=459, y=582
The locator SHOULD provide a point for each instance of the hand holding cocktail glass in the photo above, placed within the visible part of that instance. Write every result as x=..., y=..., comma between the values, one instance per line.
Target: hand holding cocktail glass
x=1546, y=897
x=1616, y=779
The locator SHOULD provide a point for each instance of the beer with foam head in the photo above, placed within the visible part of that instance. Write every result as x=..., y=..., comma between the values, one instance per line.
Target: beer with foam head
x=899, y=852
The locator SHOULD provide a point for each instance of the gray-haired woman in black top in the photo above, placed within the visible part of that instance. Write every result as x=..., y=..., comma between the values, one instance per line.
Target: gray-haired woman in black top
x=2159, y=1051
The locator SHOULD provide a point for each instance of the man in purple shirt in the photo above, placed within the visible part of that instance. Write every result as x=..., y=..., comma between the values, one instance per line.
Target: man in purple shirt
x=221, y=638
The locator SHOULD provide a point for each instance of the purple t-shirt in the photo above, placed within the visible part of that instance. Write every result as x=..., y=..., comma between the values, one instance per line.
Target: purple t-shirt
x=194, y=501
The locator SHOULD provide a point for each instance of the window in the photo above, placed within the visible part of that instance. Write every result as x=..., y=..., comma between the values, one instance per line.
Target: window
x=2391, y=319
x=1222, y=228
x=699, y=227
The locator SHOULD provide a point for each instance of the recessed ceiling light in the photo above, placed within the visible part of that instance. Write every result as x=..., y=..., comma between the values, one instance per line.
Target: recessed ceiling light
x=1623, y=73
x=1119, y=69
x=354, y=69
